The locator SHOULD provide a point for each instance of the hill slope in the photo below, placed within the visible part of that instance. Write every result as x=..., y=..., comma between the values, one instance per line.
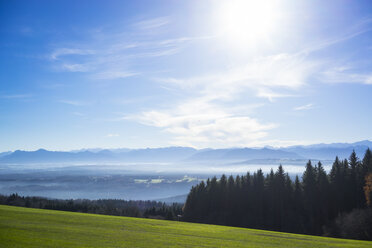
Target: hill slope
x=22, y=227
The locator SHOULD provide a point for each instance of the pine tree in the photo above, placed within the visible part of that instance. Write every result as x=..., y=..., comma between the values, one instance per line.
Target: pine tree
x=258, y=203
x=365, y=169
x=353, y=180
x=335, y=179
x=347, y=188
x=309, y=186
x=231, y=204
x=298, y=207
x=280, y=198
x=322, y=204
x=239, y=201
x=213, y=196
x=270, y=199
x=247, y=201
x=367, y=162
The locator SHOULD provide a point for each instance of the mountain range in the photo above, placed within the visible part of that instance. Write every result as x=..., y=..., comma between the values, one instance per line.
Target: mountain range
x=188, y=154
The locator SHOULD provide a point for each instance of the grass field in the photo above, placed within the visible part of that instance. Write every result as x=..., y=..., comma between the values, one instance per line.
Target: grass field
x=25, y=227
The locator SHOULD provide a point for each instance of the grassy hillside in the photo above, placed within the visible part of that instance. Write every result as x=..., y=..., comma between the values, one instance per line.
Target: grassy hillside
x=23, y=227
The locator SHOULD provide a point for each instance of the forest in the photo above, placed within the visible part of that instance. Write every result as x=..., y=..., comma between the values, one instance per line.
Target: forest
x=337, y=204
x=146, y=209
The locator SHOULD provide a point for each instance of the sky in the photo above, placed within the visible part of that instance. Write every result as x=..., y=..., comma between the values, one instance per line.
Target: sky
x=110, y=74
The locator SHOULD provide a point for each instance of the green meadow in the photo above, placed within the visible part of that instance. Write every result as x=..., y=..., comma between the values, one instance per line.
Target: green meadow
x=25, y=227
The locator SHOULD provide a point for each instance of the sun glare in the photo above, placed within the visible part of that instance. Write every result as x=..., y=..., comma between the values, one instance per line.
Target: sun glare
x=247, y=21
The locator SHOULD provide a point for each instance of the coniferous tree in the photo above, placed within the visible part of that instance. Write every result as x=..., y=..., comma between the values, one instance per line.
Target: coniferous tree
x=270, y=199
x=367, y=162
x=213, y=200
x=258, y=199
x=365, y=169
x=354, y=183
x=230, y=203
x=247, y=201
x=309, y=186
x=347, y=187
x=288, y=219
x=336, y=184
x=299, y=211
x=280, y=198
x=273, y=202
x=322, y=203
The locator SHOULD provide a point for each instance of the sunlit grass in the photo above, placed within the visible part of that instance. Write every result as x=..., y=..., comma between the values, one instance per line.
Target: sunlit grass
x=24, y=227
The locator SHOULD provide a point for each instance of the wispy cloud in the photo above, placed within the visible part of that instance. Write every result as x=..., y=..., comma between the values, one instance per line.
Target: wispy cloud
x=361, y=27
x=78, y=114
x=111, y=54
x=201, y=123
x=342, y=74
x=76, y=67
x=271, y=95
x=267, y=76
x=210, y=112
x=74, y=102
x=111, y=135
x=15, y=96
x=205, y=120
x=60, y=52
x=304, y=107
x=334, y=71
x=114, y=74
x=152, y=23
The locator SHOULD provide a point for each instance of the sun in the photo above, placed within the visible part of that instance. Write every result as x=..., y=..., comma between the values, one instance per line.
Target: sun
x=246, y=22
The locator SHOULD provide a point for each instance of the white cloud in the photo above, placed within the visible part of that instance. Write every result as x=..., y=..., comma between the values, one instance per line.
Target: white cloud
x=343, y=74
x=205, y=120
x=113, y=74
x=152, y=23
x=15, y=96
x=271, y=95
x=60, y=52
x=304, y=107
x=111, y=135
x=201, y=123
x=78, y=114
x=74, y=102
x=76, y=67
x=267, y=76
x=213, y=115
x=111, y=54
x=210, y=112
x=180, y=40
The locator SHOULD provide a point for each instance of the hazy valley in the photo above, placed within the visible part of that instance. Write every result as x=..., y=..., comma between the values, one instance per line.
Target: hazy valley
x=149, y=174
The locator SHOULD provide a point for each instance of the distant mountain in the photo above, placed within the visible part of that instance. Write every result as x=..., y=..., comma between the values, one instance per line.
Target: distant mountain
x=187, y=154
x=330, y=151
x=2, y=154
x=244, y=154
x=44, y=156
x=167, y=154
x=365, y=143
x=95, y=150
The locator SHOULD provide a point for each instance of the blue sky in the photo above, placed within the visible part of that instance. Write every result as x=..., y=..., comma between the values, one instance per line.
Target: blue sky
x=79, y=74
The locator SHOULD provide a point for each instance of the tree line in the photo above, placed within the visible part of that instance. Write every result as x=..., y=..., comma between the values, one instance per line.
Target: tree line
x=333, y=204
x=147, y=209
